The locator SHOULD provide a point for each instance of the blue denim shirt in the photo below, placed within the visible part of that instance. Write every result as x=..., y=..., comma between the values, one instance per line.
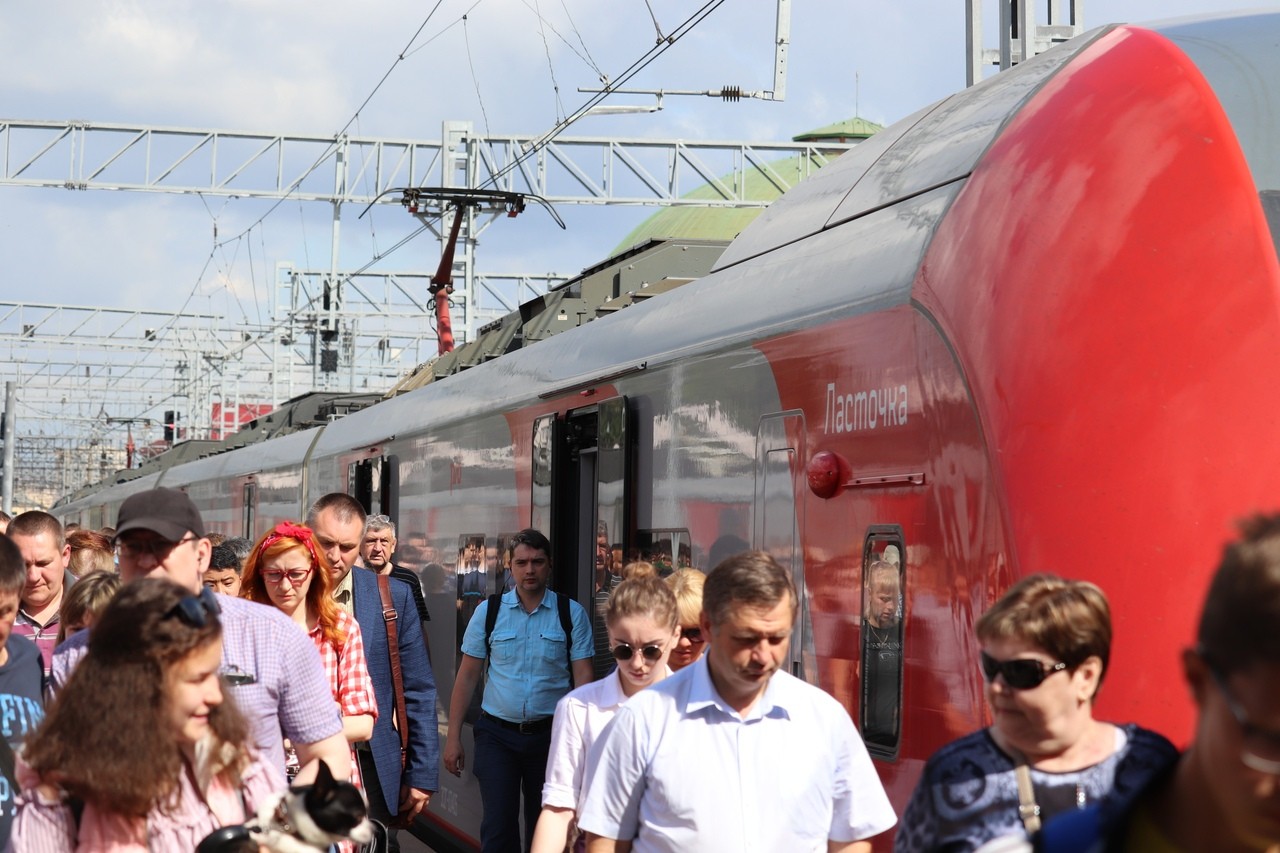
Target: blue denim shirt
x=528, y=672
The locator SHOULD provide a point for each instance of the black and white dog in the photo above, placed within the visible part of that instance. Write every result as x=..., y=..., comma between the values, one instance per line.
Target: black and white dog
x=302, y=819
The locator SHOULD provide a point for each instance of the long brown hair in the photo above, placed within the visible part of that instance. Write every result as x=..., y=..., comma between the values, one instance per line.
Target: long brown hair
x=281, y=539
x=108, y=738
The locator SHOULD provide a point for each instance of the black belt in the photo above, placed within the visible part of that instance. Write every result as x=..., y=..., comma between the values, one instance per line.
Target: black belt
x=528, y=727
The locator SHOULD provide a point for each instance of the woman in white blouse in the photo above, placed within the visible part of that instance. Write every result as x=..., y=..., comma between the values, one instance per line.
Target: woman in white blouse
x=643, y=628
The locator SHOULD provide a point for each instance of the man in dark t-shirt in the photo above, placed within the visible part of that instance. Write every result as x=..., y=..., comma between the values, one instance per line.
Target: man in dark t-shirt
x=21, y=676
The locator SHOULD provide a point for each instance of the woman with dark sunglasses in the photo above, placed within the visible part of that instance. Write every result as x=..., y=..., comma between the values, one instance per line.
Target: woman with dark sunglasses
x=686, y=584
x=287, y=570
x=641, y=621
x=143, y=750
x=1044, y=651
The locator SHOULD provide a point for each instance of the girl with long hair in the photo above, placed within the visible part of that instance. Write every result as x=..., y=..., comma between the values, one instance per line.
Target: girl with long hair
x=142, y=750
x=285, y=569
x=642, y=621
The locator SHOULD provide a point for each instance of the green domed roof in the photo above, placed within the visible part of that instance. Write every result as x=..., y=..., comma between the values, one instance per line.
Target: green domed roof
x=725, y=223
x=855, y=129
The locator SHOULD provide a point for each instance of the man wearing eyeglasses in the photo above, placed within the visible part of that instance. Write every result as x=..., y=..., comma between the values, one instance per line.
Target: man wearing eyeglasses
x=400, y=775
x=531, y=664
x=733, y=752
x=1223, y=794
x=269, y=666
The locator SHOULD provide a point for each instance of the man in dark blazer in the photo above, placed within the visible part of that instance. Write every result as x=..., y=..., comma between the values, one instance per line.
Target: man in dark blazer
x=394, y=796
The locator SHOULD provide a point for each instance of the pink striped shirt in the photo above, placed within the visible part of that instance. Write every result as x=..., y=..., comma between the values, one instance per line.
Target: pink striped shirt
x=45, y=825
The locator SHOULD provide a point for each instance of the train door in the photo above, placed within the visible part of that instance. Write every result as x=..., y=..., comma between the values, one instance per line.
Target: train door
x=582, y=499
x=375, y=483
x=778, y=517
x=248, y=507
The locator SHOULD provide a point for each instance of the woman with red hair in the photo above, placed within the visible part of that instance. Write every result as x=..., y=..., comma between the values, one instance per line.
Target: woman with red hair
x=288, y=571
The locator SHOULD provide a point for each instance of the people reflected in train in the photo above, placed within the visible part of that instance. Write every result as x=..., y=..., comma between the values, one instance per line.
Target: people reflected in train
x=473, y=585
x=1045, y=645
x=1223, y=794
x=642, y=628
x=881, y=654
x=143, y=736
x=686, y=585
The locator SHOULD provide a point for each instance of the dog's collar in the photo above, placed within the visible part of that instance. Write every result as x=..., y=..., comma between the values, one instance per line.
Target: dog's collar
x=281, y=815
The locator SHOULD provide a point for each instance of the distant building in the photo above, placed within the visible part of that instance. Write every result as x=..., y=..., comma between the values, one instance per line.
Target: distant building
x=725, y=223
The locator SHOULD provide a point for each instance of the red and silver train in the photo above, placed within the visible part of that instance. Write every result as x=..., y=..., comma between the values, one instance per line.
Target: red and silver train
x=1033, y=327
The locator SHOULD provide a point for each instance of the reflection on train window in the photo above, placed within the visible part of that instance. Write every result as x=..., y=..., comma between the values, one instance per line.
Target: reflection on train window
x=667, y=549
x=883, y=577
x=483, y=568
x=474, y=584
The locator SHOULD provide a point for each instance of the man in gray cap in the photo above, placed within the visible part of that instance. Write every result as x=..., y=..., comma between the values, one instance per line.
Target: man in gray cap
x=271, y=668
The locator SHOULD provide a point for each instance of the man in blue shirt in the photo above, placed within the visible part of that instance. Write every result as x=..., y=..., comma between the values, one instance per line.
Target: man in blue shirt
x=531, y=664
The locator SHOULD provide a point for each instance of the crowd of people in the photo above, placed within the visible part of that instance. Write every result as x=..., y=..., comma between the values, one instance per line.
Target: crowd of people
x=160, y=682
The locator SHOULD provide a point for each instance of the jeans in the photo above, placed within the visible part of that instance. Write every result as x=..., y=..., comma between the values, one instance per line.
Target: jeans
x=506, y=762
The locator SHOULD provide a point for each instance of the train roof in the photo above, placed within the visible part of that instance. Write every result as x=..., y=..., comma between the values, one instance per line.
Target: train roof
x=1237, y=54
x=913, y=170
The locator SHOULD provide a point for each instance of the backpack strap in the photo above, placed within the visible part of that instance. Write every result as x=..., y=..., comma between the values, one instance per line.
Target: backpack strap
x=490, y=619
x=389, y=617
x=566, y=623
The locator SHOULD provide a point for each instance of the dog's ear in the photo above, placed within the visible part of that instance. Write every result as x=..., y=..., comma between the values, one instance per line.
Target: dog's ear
x=324, y=776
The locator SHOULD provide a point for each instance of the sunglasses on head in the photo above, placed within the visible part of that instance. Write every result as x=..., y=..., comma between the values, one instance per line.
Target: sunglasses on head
x=196, y=610
x=1019, y=673
x=624, y=651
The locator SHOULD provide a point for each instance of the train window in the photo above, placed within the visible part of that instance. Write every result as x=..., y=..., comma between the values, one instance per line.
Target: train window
x=474, y=584
x=667, y=550
x=360, y=479
x=249, y=502
x=883, y=587
x=483, y=568
x=540, y=503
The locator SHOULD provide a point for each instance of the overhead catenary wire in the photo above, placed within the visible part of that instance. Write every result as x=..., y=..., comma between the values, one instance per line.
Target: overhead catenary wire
x=551, y=67
x=475, y=79
x=586, y=54
x=332, y=147
x=635, y=68
x=664, y=44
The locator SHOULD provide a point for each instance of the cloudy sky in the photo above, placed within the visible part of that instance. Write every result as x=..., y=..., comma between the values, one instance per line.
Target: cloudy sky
x=509, y=66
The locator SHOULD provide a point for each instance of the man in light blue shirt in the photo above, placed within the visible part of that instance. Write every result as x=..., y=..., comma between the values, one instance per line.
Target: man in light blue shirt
x=532, y=661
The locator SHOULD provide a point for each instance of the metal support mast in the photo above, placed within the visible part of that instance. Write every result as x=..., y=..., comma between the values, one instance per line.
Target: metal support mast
x=1020, y=36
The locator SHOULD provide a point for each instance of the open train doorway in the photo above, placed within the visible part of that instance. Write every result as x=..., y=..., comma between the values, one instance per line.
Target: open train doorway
x=582, y=463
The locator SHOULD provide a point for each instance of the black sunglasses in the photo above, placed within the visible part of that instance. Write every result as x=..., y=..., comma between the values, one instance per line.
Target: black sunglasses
x=624, y=651
x=1019, y=673
x=196, y=610
x=693, y=635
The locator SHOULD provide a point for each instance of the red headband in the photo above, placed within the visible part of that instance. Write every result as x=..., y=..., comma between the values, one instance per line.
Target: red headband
x=289, y=530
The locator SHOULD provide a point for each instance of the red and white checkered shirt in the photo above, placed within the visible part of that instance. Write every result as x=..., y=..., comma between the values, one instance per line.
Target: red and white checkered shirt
x=348, y=673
